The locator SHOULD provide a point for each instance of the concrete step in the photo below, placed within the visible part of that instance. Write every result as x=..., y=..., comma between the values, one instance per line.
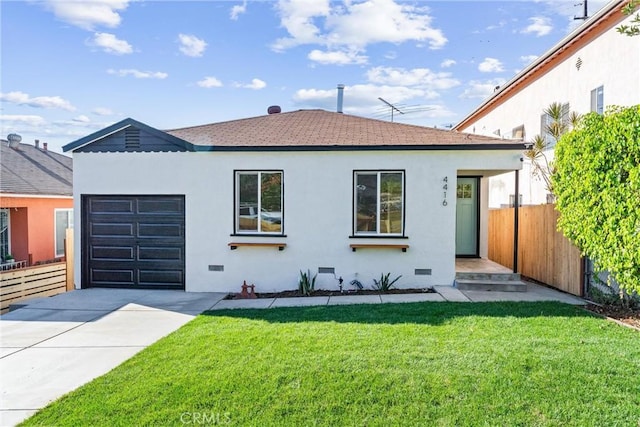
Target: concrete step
x=491, y=285
x=491, y=277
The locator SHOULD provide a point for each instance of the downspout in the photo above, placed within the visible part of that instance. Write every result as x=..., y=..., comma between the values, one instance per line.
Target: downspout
x=516, y=206
x=586, y=276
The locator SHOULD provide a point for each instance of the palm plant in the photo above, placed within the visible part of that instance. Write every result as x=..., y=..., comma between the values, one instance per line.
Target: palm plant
x=384, y=284
x=540, y=166
x=561, y=120
x=307, y=282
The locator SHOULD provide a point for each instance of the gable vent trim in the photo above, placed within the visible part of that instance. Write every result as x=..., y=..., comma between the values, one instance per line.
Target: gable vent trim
x=131, y=138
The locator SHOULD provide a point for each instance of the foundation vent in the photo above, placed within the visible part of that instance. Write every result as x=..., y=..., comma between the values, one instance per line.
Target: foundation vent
x=216, y=268
x=423, y=272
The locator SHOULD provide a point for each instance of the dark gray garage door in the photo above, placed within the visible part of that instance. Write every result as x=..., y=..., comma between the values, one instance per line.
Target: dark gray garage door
x=133, y=242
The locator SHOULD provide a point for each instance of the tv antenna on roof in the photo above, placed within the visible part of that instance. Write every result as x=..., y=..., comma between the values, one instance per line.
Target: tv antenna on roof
x=393, y=107
x=585, y=11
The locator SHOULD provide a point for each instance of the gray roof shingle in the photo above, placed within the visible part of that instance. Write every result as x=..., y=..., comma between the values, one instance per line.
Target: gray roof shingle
x=27, y=169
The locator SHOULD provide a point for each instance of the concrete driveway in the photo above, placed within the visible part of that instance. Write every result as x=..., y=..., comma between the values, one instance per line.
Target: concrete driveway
x=54, y=345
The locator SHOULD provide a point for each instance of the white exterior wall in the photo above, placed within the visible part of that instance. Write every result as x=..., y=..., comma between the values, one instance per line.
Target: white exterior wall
x=317, y=212
x=612, y=60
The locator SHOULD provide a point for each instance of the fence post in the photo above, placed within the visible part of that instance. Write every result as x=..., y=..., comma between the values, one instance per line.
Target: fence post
x=68, y=254
x=516, y=226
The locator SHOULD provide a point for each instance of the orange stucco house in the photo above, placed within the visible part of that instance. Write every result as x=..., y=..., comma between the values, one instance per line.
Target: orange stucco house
x=36, y=202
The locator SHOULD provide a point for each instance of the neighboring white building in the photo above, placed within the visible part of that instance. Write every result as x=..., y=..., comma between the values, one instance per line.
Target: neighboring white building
x=208, y=207
x=592, y=68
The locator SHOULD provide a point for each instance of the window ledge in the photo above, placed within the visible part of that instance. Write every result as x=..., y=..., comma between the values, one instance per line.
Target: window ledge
x=377, y=236
x=235, y=245
x=261, y=235
x=355, y=246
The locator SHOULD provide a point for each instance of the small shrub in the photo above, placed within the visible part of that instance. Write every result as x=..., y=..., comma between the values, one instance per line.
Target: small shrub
x=601, y=297
x=606, y=295
x=307, y=283
x=384, y=284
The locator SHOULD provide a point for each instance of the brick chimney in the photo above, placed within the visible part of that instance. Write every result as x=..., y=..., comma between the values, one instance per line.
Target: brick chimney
x=44, y=146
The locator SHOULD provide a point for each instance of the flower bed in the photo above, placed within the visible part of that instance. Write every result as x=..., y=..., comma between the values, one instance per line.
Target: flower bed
x=324, y=292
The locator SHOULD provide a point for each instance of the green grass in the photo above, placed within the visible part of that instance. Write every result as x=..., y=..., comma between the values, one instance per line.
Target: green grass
x=423, y=364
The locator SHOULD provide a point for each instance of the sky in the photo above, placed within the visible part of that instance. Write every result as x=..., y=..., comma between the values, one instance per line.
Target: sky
x=70, y=68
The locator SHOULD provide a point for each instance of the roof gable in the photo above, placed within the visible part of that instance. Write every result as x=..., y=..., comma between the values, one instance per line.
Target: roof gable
x=128, y=135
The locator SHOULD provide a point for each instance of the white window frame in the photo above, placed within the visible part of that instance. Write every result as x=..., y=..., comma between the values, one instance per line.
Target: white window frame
x=516, y=130
x=69, y=212
x=237, y=206
x=8, y=213
x=377, y=232
x=597, y=100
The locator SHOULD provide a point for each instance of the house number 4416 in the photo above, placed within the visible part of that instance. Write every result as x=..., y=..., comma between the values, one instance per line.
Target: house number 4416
x=445, y=187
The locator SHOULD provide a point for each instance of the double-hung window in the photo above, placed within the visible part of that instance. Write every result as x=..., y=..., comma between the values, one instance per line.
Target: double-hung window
x=64, y=220
x=378, y=203
x=5, y=248
x=597, y=100
x=258, y=206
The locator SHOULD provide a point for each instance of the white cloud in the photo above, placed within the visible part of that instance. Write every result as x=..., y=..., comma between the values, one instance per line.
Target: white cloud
x=256, y=84
x=21, y=98
x=418, y=77
x=491, y=65
x=191, y=45
x=81, y=119
x=540, y=26
x=57, y=132
x=111, y=44
x=336, y=57
x=354, y=24
x=101, y=111
x=88, y=14
x=391, y=54
x=297, y=17
x=377, y=21
x=481, y=89
x=15, y=119
x=208, y=82
x=138, y=74
x=71, y=127
x=447, y=63
x=500, y=24
x=528, y=59
x=238, y=10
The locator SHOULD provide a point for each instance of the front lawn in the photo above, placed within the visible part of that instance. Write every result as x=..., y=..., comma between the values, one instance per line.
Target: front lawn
x=419, y=364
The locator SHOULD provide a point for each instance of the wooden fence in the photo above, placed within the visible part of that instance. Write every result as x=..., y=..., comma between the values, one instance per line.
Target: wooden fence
x=544, y=254
x=39, y=281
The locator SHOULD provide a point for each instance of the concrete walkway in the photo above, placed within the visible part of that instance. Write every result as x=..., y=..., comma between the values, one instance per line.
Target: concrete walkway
x=443, y=293
x=53, y=345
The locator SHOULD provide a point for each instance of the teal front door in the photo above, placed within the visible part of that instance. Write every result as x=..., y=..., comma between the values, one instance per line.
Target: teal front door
x=467, y=217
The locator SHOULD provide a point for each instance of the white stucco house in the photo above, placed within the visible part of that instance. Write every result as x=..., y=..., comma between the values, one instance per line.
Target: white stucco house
x=591, y=68
x=206, y=208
